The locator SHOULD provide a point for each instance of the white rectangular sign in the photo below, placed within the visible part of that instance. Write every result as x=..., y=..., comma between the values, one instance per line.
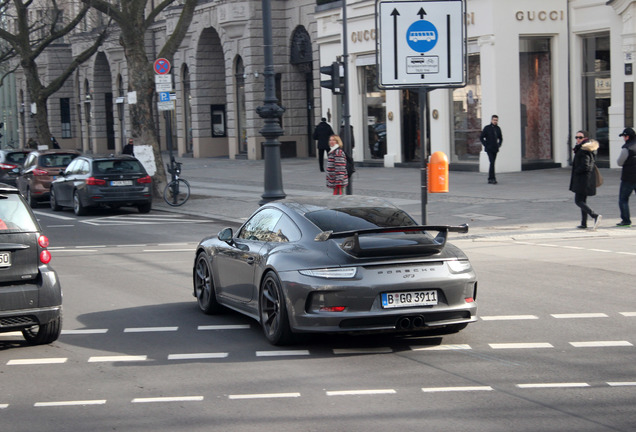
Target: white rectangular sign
x=165, y=106
x=421, y=43
x=163, y=79
x=163, y=87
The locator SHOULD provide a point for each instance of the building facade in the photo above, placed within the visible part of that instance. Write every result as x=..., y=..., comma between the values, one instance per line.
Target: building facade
x=547, y=67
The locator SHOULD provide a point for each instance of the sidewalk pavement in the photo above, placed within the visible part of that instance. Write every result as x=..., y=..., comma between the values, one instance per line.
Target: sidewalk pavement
x=528, y=204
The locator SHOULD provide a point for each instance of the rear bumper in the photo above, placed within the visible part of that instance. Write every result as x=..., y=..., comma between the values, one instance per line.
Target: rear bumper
x=94, y=196
x=35, y=302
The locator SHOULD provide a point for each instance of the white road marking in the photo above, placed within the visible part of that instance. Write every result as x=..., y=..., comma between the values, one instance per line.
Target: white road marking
x=508, y=317
x=621, y=383
x=224, y=327
x=264, y=396
x=3, y=406
x=123, y=358
x=600, y=250
x=54, y=216
x=579, y=315
x=379, y=350
x=168, y=399
x=168, y=250
x=84, y=331
x=448, y=347
x=70, y=403
x=282, y=353
x=628, y=314
x=520, y=345
x=456, y=389
x=57, y=360
x=360, y=392
x=150, y=329
x=197, y=356
x=553, y=385
x=593, y=344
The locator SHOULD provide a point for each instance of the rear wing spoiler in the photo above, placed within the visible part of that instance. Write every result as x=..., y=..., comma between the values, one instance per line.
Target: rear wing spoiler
x=422, y=245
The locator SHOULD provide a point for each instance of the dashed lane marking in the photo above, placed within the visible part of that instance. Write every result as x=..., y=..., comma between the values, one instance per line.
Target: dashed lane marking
x=168, y=399
x=70, y=403
x=553, y=385
x=282, y=353
x=374, y=350
x=508, y=317
x=224, y=327
x=124, y=358
x=264, y=396
x=579, y=315
x=456, y=389
x=360, y=392
x=57, y=360
x=150, y=329
x=198, y=356
x=521, y=345
x=449, y=347
x=601, y=344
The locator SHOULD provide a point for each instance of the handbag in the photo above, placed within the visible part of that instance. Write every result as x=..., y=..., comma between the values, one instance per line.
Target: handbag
x=599, y=177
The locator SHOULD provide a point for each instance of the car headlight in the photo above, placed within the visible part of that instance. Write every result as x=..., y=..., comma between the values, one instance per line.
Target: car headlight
x=331, y=273
x=458, y=266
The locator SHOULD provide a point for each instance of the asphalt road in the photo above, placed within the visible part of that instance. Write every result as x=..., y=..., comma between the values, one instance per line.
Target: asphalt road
x=553, y=350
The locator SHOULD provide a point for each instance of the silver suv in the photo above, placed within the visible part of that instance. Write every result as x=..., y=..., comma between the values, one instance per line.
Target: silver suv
x=30, y=292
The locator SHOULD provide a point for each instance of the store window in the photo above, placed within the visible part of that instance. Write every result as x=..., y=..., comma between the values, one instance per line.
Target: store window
x=375, y=102
x=535, y=77
x=597, y=90
x=467, y=115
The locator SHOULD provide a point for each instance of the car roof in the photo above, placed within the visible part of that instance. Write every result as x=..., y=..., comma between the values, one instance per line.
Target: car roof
x=5, y=188
x=108, y=157
x=55, y=151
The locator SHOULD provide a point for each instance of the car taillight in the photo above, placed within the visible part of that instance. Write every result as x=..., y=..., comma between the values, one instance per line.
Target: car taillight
x=43, y=241
x=40, y=172
x=92, y=181
x=146, y=179
x=45, y=255
x=7, y=166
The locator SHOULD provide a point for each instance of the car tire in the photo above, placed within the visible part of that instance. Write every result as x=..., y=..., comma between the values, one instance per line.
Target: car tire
x=204, y=286
x=144, y=208
x=33, y=203
x=273, y=311
x=78, y=207
x=44, y=333
x=53, y=201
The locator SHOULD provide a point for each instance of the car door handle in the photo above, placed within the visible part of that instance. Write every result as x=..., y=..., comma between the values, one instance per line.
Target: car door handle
x=250, y=260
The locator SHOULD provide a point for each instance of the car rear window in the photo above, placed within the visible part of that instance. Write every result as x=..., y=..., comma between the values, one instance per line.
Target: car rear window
x=14, y=215
x=17, y=157
x=118, y=167
x=57, y=160
x=359, y=218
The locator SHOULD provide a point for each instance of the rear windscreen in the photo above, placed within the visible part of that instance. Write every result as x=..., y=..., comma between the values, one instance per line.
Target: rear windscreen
x=14, y=215
x=359, y=218
x=57, y=160
x=118, y=167
x=17, y=157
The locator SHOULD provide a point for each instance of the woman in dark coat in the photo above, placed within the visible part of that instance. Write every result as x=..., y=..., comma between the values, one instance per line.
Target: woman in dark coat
x=337, y=177
x=583, y=180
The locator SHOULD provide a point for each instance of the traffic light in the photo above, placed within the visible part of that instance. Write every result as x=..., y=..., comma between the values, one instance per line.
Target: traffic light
x=336, y=83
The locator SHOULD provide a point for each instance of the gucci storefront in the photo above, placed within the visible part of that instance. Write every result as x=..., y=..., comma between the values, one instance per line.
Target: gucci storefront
x=547, y=68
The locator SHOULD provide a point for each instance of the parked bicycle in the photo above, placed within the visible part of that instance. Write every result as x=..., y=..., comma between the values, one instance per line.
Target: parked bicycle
x=177, y=191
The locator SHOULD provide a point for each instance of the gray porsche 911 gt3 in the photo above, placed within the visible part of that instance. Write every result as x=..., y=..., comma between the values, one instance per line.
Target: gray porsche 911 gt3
x=337, y=264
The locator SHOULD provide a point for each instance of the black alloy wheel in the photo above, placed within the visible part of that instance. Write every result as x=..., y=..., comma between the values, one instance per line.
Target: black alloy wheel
x=53, y=201
x=273, y=312
x=204, y=286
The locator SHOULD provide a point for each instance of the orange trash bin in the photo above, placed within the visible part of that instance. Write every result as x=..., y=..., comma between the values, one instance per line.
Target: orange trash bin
x=438, y=173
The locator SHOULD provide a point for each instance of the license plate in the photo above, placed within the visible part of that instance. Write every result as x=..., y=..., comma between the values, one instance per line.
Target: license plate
x=121, y=183
x=409, y=299
x=5, y=259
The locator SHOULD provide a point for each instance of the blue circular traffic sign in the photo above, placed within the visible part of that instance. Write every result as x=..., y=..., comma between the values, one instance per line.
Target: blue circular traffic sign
x=421, y=36
x=162, y=66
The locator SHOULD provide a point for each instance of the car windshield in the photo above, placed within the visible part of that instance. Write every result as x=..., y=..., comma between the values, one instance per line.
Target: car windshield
x=359, y=218
x=57, y=160
x=117, y=166
x=14, y=216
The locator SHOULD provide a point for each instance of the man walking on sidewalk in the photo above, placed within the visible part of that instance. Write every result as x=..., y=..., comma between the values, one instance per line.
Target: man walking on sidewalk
x=491, y=138
x=627, y=159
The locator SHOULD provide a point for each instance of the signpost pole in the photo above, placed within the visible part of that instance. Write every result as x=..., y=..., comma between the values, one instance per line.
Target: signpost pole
x=423, y=94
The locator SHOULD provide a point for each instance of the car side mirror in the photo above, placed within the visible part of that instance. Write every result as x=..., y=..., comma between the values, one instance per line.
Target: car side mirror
x=226, y=235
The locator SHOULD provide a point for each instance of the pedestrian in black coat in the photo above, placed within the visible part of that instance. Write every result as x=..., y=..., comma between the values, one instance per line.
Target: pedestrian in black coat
x=491, y=139
x=321, y=134
x=583, y=179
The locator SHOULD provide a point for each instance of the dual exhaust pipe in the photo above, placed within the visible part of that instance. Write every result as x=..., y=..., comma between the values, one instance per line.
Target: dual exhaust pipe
x=405, y=323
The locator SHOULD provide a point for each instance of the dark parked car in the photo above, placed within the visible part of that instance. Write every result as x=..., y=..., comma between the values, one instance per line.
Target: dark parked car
x=40, y=168
x=30, y=293
x=10, y=163
x=93, y=181
x=337, y=264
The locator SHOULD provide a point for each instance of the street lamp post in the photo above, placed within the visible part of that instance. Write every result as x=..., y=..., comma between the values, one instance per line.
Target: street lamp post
x=271, y=113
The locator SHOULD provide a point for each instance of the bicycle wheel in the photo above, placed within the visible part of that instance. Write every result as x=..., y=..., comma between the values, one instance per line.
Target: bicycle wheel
x=176, y=192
